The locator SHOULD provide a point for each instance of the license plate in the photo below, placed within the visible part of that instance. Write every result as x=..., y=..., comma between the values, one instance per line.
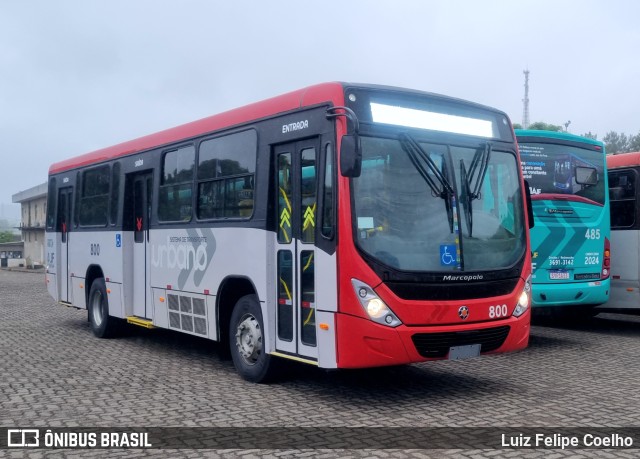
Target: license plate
x=558, y=274
x=464, y=352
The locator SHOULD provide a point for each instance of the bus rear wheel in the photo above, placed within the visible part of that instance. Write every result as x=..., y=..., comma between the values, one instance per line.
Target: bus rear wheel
x=246, y=341
x=102, y=325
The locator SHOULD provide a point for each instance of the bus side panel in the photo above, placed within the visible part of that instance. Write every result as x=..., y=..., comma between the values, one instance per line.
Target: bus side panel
x=326, y=281
x=160, y=312
x=126, y=270
x=195, y=261
x=52, y=285
x=94, y=249
x=51, y=277
x=326, y=288
x=78, y=298
x=114, y=294
x=625, y=267
x=624, y=255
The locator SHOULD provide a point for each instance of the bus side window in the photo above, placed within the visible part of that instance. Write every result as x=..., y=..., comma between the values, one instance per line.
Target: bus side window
x=308, y=210
x=176, y=184
x=622, y=196
x=115, y=193
x=51, y=204
x=226, y=176
x=284, y=198
x=94, y=197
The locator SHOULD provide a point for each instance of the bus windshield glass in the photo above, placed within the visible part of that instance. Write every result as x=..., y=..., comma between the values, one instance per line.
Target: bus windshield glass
x=438, y=208
x=555, y=169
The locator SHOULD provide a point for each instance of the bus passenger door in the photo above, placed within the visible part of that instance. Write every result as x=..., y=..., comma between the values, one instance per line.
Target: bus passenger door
x=142, y=192
x=296, y=165
x=63, y=223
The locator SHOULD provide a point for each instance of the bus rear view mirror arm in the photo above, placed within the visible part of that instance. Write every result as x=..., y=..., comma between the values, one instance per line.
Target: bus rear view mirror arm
x=350, y=150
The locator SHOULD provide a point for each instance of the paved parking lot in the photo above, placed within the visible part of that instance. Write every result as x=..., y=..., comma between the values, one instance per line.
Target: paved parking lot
x=55, y=373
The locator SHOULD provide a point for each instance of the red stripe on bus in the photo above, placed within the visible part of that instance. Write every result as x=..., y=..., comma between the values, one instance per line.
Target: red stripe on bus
x=326, y=92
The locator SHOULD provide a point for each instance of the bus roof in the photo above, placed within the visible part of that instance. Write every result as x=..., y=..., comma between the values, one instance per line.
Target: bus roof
x=309, y=96
x=306, y=97
x=556, y=135
x=623, y=159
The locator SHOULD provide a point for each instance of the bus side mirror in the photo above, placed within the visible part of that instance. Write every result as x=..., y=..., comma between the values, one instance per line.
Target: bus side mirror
x=527, y=192
x=586, y=176
x=350, y=156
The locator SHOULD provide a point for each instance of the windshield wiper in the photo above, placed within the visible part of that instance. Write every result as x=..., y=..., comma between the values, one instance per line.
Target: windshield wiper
x=419, y=158
x=472, y=182
x=428, y=170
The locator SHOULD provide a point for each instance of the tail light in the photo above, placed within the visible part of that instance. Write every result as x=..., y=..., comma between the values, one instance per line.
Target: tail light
x=606, y=260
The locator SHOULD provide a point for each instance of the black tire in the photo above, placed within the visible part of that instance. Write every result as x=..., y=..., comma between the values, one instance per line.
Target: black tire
x=246, y=342
x=102, y=325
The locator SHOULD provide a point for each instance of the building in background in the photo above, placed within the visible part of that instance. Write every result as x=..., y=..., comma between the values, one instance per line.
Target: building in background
x=11, y=254
x=32, y=225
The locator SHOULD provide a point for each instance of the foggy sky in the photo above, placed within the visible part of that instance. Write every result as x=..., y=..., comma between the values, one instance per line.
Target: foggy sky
x=76, y=76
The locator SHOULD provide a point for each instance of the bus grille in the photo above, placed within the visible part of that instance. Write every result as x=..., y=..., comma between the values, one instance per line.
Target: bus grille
x=187, y=314
x=438, y=344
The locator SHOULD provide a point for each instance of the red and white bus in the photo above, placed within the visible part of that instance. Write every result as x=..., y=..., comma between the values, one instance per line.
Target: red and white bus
x=624, y=193
x=340, y=225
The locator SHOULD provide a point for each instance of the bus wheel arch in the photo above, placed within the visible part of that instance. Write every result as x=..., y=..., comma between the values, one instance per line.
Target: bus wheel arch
x=93, y=272
x=230, y=291
x=102, y=324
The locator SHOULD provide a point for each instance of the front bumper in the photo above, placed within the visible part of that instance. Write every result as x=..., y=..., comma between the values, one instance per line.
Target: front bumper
x=363, y=343
x=570, y=294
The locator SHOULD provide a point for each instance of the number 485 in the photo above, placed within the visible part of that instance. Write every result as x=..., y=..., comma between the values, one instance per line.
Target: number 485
x=592, y=234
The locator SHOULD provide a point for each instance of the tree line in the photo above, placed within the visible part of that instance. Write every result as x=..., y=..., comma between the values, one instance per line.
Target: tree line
x=614, y=142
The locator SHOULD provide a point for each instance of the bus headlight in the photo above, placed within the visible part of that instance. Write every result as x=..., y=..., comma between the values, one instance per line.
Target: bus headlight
x=524, y=300
x=375, y=308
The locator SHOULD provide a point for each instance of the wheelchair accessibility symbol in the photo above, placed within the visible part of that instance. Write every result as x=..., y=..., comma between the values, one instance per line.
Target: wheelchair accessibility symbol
x=447, y=255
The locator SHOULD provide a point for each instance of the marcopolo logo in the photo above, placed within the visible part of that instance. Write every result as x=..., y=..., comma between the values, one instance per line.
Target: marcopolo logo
x=467, y=278
x=552, y=211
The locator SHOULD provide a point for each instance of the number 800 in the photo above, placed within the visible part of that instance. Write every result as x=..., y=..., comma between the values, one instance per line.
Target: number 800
x=498, y=311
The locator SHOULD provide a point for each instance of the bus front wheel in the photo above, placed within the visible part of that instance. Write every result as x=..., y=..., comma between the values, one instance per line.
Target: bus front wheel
x=102, y=325
x=246, y=341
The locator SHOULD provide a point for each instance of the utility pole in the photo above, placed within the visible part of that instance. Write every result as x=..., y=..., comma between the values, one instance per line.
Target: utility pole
x=525, y=109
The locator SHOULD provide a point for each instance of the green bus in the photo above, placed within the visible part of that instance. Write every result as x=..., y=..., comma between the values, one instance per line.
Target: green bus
x=570, y=241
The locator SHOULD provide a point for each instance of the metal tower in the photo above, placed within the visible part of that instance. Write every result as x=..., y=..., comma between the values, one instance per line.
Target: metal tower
x=525, y=109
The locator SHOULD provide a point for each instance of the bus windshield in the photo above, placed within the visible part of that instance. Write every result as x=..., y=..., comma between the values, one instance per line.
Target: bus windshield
x=555, y=169
x=438, y=213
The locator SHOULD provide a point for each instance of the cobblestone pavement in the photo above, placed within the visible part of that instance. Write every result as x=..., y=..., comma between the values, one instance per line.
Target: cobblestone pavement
x=54, y=373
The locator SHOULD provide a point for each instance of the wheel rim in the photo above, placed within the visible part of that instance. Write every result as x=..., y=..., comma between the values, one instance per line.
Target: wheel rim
x=249, y=339
x=96, y=308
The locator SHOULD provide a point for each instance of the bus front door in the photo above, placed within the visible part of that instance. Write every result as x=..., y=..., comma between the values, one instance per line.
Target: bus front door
x=142, y=192
x=63, y=223
x=296, y=165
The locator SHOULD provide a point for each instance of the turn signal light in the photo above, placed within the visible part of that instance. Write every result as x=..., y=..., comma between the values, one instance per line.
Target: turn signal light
x=606, y=259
